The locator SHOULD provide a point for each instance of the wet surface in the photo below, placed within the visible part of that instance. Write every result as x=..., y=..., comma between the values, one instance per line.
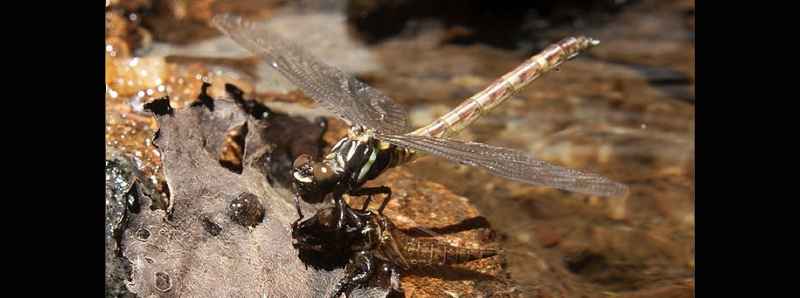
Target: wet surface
x=624, y=109
x=422, y=209
x=197, y=247
x=122, y=199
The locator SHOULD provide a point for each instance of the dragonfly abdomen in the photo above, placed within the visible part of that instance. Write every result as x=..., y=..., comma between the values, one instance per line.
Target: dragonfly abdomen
x=505, y=87
x=422, y=252
x=411, y=252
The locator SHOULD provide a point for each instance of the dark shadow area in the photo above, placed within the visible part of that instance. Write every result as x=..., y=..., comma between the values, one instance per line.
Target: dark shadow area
x=251, y=107
x=160, y=107
x=323, y=261
x=601, y=270
x=290, y=136
x=671, y=82
x=584, y=263
x=498, y=23
x=212, y=228
x=464, y=225
x=297, y=136
x=203, y=99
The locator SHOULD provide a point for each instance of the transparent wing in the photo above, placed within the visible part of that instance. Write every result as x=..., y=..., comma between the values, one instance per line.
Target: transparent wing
x=335, y=90
x=511, y=164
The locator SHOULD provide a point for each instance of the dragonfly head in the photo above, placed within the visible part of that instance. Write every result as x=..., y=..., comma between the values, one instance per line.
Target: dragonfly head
x=312, y=179
x=322, y=232
x=319, y=233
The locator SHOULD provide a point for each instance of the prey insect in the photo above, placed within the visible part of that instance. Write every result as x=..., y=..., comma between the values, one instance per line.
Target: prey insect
x=375, y=246
x=380, y=138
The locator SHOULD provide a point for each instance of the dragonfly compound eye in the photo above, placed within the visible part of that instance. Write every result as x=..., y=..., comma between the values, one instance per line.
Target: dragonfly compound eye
x=322, y=173
x=312, y=180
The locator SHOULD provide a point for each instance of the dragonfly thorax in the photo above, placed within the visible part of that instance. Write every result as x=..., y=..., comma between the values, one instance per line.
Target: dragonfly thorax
x=351, y=162
x=319, y=232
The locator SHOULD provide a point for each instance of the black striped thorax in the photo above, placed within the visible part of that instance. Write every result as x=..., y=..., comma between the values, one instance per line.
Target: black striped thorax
x=354, y=158
x=360, y=157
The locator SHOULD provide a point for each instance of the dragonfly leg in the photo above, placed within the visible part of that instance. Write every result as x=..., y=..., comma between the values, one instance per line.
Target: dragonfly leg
x=366, y=202
x=385, y=201
x=370, y=191
x=299, y=212
x=357, y=272
x=348, y=220
x=340, y=206
x=394, y=276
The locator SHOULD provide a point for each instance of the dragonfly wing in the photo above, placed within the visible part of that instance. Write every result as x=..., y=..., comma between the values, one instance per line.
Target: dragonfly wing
x=511, y=164
x=342, y=94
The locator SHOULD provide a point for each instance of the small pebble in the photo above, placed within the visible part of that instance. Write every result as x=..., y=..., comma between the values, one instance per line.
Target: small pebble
x=246, y=210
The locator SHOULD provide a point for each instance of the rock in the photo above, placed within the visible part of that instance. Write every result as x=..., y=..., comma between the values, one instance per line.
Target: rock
x=182, y=256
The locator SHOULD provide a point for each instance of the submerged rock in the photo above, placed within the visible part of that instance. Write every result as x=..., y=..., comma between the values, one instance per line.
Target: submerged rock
x=122, y=199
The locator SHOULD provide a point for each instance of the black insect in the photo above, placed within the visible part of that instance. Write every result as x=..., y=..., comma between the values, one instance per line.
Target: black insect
x=380, y=137
x=374, y=246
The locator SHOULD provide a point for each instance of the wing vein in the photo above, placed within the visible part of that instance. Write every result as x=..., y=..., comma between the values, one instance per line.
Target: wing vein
x=342, y=94
x=511, y=164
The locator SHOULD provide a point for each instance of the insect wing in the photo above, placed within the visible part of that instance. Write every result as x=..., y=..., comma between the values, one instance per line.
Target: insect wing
x=511, y=164
x=340, y=93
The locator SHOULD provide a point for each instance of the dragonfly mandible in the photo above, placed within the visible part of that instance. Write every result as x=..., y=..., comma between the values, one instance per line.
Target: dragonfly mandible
x=380, y=138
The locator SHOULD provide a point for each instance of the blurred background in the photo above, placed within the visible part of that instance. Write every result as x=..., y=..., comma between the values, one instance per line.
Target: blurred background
x=624, y=109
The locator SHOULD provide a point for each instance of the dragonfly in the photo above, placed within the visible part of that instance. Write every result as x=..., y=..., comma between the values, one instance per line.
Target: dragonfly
x=380, y=137
x=376, y=246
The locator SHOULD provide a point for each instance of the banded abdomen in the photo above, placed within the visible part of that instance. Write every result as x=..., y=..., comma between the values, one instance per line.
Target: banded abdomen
x=425, y=252
x=495, y=94
x=505, y=87
x=389, y=156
